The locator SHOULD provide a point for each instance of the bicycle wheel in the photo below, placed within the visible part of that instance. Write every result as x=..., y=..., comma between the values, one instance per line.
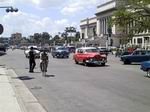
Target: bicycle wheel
x=44, y=68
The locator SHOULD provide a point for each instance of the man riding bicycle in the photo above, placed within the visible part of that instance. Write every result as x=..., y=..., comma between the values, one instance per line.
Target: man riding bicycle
x=43, y=61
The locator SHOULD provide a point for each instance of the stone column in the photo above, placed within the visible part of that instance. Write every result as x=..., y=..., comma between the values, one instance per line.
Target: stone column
x=86, y=32
x=98, y=27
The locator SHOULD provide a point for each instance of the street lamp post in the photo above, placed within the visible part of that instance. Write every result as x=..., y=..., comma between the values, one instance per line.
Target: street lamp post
x=9, y=9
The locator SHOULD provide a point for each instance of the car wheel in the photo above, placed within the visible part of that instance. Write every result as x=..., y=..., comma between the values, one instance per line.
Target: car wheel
x=148, y=73
x=103, y=64
x=85, y=63
x=76, y=62
x=127, y=62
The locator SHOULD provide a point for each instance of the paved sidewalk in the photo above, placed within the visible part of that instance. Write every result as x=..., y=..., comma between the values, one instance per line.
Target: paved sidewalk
x=8, y=100
x=14, y=95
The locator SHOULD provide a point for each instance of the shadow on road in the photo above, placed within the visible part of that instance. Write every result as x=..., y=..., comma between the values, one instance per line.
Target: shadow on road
x=24, y=78
x=91, y=65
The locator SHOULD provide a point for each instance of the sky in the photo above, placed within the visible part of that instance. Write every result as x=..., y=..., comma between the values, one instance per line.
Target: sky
x=52, y=16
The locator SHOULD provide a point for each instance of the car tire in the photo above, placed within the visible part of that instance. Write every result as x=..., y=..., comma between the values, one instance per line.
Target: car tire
x=127, y=62
x=76, y=62
x=85, y=63
x=103, y=64
x=148, y=73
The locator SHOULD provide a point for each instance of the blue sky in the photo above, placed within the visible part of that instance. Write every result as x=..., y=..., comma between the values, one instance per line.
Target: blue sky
x=50, y=16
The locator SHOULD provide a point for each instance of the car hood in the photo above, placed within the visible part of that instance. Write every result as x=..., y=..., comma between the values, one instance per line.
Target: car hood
x=95, y=54
x=145, y=63
x=124, y=56
x=62, y=51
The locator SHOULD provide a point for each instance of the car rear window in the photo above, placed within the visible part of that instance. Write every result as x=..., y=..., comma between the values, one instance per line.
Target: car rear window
x=91, y=50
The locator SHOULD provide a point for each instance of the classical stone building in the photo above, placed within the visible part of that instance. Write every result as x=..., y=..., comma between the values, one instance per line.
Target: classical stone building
x=88, y=28
x=100, y=23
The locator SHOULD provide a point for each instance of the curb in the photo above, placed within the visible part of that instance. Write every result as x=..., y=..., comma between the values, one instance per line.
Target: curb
x=26, y=101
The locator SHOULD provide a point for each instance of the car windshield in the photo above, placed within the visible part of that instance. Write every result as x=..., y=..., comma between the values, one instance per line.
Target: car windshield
x=91, y=50
x=62, y=48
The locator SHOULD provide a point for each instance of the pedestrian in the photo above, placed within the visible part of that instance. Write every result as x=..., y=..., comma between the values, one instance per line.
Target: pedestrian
x=31, y=60
x=44, y=60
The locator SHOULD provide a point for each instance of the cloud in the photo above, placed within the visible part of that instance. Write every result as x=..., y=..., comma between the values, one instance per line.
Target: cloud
x=28, y=24
x=74, y=6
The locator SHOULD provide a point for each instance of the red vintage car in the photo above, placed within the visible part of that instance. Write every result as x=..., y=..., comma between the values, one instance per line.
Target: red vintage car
x=89, y=55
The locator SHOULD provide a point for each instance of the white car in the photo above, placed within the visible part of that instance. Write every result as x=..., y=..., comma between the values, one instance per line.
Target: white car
x=35, y=49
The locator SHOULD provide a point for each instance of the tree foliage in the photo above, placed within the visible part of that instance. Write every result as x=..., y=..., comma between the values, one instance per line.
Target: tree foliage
x=40, y=38
x=132, y=17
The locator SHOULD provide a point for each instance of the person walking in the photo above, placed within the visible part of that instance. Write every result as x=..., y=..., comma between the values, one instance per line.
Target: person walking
x=31, y=60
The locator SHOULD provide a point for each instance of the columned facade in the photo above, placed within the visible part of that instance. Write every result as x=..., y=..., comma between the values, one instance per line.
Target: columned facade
x=88, y=29
x=99, y=24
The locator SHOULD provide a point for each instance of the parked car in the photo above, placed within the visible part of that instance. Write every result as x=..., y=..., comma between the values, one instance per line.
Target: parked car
x=2, y=49
x=103, y=50
x=136, y=56
x=89, y=55
x=71, y=49
x=36, y=50
x=60, y=52
x=145, y=66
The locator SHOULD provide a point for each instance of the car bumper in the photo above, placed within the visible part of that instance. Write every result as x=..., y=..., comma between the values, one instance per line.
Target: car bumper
x=143, y=68
x=96, y=62
x=61, y=55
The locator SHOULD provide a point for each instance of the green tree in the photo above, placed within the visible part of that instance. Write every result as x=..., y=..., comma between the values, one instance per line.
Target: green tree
x=77, y=36
x=45, y=37
x=37, y=38
x=131, y=17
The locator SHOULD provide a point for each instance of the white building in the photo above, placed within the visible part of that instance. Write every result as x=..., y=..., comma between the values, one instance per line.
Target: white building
x=103, y=13
x=88, y=28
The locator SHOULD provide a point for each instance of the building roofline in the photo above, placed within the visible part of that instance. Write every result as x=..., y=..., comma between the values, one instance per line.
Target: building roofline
x=105, y=3
x=88, y=19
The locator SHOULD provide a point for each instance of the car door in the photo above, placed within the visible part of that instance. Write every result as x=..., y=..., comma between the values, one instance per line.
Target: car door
x=136, y=56
x=147, y=56
x=81, y=55
x=143, y=57
x=78, y=55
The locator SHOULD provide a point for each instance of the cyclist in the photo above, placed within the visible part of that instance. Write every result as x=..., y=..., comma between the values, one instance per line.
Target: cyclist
x=43, y=61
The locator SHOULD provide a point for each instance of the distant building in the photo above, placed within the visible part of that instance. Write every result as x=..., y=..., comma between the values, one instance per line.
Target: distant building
x=88, y=28
x=15, y=39
x=4, y=40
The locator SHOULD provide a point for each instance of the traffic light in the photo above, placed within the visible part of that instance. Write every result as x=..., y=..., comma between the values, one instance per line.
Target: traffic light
x=11, y=9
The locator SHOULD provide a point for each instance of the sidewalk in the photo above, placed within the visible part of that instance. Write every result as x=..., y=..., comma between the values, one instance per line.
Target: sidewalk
x=14, y=95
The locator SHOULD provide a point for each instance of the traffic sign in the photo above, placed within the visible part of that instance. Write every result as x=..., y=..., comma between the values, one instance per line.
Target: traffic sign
x=1, y=29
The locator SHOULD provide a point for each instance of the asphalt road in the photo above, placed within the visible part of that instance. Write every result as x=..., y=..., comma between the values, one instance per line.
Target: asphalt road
x=75, y=88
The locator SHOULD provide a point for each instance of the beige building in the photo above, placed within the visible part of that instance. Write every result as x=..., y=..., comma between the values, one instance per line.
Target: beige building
x=103, y=13
x=99, y=23
x=88, y=28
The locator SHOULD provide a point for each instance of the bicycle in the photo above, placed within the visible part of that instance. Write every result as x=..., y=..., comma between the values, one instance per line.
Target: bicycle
x=44, y=67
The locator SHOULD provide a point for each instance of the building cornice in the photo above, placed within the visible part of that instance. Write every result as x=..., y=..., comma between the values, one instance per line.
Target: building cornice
x=105, y=3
